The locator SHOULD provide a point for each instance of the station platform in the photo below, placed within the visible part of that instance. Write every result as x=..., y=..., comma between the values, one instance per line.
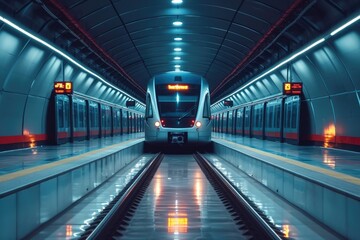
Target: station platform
x=38, y=183
x=20, y=159
x=323, y=182
x=337, y=160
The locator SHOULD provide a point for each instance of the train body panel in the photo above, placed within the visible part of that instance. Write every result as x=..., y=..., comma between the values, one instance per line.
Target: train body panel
x=178, y=109
x=277, y=119
x=79, y=118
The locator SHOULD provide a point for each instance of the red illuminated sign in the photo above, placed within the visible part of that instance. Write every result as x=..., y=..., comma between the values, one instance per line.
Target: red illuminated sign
x=130, y=103
x=293, y=88
x=228, y=103
x=63, y=87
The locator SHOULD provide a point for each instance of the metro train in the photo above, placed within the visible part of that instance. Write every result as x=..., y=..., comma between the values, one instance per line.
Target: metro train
x=178, y=110
x=79, y=118
x=275, y=119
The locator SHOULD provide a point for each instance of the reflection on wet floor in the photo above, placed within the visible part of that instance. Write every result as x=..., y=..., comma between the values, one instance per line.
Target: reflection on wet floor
x=343, y=161
x=15, y=160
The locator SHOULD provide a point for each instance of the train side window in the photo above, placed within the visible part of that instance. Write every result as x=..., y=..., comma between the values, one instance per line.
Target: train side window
x=149, y=110
x=206, y=112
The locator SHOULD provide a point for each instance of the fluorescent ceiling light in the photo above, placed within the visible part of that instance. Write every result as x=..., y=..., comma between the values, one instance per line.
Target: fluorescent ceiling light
x=178, y=39
x=295, y=55
x=64, y=55
x=177, y=58
x=177, y=23
x=176, y=1
x=177, y=66
x=177, y=49
x=345, y=25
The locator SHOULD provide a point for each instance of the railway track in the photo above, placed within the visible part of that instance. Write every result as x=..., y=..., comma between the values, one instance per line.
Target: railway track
x=115, y=220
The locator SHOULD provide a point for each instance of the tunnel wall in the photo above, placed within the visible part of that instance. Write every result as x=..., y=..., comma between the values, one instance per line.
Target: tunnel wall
x=331, y=89
x=28, y=70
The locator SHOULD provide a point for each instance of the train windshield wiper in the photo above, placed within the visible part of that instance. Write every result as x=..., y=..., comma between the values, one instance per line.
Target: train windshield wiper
x=187, y=112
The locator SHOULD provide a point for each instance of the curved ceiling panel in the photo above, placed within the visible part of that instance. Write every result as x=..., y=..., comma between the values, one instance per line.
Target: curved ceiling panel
x=228, y=42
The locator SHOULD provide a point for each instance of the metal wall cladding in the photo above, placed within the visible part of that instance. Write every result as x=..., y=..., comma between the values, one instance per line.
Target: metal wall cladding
x=28, y=71
x=330, y=76
x=347, y=113
x=347, y=48
x=11, y=112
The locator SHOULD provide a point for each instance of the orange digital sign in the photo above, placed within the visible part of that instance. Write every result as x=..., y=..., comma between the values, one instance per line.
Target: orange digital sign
x=63, y=87
x=292, y=88
x=178, y=87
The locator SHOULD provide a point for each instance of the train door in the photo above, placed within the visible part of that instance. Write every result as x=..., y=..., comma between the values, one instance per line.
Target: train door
x=239, y=121
x=78, y=112
x=216, y=125
x=213, y=117
x=229, y=122
x=258, y=121
x=224, y=122
x=130, y=116
x=62, y=118
x=136, y=129
x=116, y=121
x=273, y=120
x=247, y=121
x=94, y=126
x=125, y=122
x=105, y=121
x=292, y=119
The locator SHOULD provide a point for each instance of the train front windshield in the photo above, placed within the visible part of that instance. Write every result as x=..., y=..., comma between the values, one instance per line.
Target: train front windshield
x=178, y=104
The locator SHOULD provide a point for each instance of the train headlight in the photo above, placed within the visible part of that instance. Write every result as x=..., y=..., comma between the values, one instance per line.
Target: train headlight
x=157, y=124
x=198, y=124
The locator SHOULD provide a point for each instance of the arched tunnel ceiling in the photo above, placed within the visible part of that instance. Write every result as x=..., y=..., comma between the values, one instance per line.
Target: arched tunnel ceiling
x=227, y=42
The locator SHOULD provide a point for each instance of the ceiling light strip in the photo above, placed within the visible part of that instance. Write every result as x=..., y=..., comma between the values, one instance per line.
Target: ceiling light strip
x=345, y=25
x=295, y=55
x=44, y=43
x=274, y=68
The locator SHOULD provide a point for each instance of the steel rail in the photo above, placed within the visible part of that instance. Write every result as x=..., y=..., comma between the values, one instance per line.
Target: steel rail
x=102, y=229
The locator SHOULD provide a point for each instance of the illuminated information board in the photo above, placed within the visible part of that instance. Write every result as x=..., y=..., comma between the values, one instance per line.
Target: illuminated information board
x=178, y=87
x=228, y=103
x=292, y=88
x=63, y=87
